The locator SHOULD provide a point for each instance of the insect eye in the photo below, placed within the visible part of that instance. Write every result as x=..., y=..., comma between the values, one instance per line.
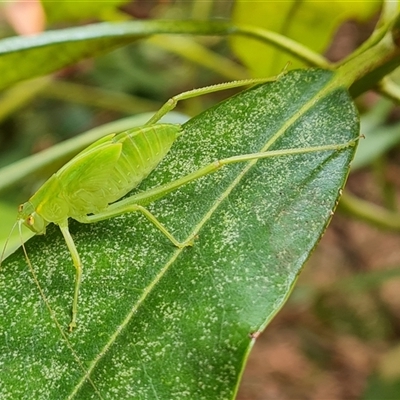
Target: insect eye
x=20, y=207
x=30, y=221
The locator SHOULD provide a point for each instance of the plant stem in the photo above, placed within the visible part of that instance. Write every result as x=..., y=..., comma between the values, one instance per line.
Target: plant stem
x=389, y=89
x=364, y=71
x=285, y=44
x=359, y=72
x=372, y=213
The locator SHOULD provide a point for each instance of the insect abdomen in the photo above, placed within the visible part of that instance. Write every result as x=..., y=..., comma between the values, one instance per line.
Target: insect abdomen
x=142, y=150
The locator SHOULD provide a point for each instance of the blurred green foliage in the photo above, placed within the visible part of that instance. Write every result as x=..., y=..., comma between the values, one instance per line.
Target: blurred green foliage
x=311, y=23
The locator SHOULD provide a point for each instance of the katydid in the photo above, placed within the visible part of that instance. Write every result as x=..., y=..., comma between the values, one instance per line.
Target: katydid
x=88, y=187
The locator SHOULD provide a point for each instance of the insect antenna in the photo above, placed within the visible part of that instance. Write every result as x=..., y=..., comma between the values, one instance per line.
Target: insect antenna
x=6, y=243
x=52, y=314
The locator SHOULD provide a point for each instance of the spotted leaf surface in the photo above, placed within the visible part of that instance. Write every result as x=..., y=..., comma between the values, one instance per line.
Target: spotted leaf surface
x=157, y=322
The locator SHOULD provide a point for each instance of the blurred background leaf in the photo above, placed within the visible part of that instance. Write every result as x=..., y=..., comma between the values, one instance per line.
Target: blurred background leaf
x=311, y=23
x=67, y=11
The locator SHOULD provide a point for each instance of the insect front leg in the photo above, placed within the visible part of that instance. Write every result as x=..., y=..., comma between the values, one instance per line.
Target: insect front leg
x=78, y=272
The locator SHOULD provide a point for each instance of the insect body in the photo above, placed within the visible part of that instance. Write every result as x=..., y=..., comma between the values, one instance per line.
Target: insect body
x=88, y=187
x=98, y=176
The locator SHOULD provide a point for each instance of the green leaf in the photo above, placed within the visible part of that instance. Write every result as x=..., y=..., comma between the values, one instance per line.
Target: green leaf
x=292, y=19
x=160, y=322
x=382, y=388
x=41, y=54
x=66, y=10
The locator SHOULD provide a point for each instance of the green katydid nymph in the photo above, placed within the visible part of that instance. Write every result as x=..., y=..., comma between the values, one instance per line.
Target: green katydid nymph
x=89, y=187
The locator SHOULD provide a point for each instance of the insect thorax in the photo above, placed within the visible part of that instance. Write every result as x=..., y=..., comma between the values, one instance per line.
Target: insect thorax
x=48, y=202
